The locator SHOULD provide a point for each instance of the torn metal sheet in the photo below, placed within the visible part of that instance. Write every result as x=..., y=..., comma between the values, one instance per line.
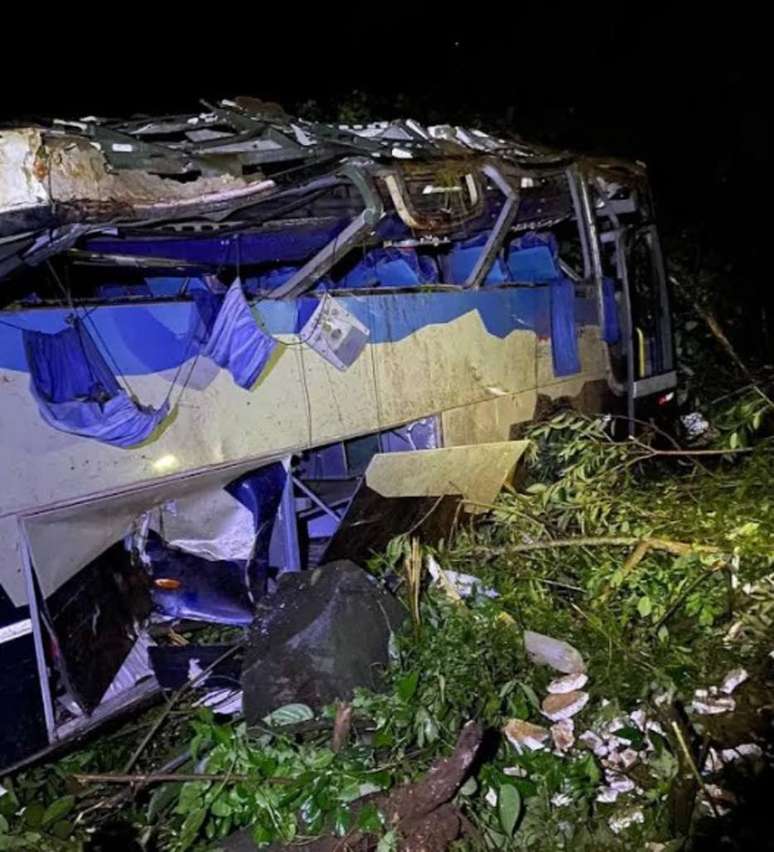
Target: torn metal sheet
x=421, y=492
x=92, y=618
x=477, y=472
x=175, y=666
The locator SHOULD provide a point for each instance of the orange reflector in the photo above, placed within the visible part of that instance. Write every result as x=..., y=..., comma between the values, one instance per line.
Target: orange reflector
x=167, y=583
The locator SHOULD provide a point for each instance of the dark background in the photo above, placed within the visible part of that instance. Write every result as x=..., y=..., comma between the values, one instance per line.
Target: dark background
x=685, y=91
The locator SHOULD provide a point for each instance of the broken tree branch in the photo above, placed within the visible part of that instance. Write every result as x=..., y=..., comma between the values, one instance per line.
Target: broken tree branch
x=677, y=548
x=342, y=726
x=173, y=701
x=168, y=777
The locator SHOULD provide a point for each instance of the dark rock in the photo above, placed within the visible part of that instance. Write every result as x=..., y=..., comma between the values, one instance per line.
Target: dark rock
x=320, y=635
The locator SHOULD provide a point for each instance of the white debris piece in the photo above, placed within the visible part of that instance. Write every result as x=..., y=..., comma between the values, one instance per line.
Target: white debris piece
x=547, y=651
x=524, y=735
x=710, y=705
x=563, y=734
x=641, y=720
x=224, y=701
x=194, y=669
x=491, y=797
x=695, y=424
x=461, y=585
x=619, y=783
x=568, y=683
x=607, y=795
x=594, y=742
x=733, y=679
x=721, y=800
x=560, y=800
x=616, y=786
x=557, y=707
x=740, y=752
x=515, y=771
x=713, y=762
x=620, y=822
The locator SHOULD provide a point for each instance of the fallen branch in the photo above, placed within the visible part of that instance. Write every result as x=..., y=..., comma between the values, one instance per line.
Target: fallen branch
x=686, y=592
x=342, y=726
x=726, y=452
x=677, y=548
x=173, y=701
x=169, y=777
x=422, y=812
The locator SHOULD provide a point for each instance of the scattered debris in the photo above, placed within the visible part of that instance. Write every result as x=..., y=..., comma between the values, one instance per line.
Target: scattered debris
x=563, y=734
x=568, y=683
x=524, y=735
x=547, y=651
x=733, y=679
x=227, y=702
x=557, y=707
x=695, y=425
x=717, y=759
x=706, y=704
x=616, y=785
x=716, y=800
x=455, y=584
x=620, y=822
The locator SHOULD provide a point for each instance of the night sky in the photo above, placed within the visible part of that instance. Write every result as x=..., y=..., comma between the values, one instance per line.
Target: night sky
x=682, y=91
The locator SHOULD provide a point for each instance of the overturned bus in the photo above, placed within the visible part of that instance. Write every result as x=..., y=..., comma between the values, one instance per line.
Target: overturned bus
x=211, y=327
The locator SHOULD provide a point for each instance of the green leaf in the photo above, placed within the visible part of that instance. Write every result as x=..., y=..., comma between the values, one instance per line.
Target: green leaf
x=33, y=814
x=388, y=843
x=369, y=819
x=190, y=798
x=509, y=801
x=191, y=827
x=58, y=810
x=530, y=695
x=536, y=488
x=407, y=686
x=221, y=807
x=62, y=829
x=342, y=820
x=290, y=714
x=645, y=606
x=262, y=834
x=469, y=787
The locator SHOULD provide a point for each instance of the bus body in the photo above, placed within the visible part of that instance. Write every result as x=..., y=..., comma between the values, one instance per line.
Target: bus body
x=211, y=323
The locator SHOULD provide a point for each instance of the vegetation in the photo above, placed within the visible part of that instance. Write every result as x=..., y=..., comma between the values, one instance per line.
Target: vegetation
x=562, y=554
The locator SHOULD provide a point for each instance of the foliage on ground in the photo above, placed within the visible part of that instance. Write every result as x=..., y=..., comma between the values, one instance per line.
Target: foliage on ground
x=657, y=626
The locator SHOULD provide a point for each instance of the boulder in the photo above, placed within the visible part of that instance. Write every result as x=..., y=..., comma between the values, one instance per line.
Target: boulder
x=318, y=637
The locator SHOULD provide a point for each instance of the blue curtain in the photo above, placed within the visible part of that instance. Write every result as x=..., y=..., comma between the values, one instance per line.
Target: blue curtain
x=390, y=267
x=564, y=338
x=77, y=392
x=611, y=327
x=462, y=257
x=235, y=342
